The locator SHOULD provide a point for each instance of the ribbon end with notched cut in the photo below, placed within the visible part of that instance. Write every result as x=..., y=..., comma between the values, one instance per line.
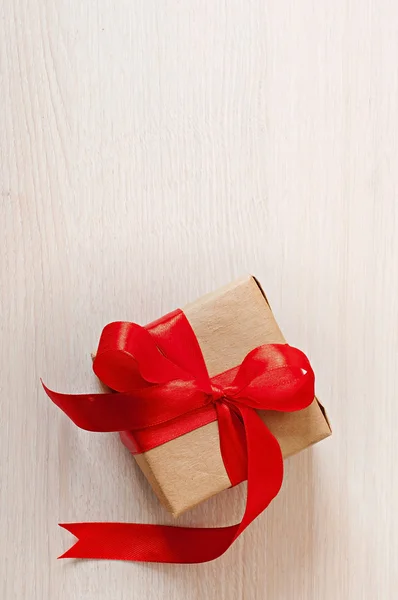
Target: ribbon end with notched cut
x=71, y=553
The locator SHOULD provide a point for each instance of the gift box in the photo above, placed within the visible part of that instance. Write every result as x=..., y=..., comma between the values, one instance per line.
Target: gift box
x=228, y=324
x=205, y=398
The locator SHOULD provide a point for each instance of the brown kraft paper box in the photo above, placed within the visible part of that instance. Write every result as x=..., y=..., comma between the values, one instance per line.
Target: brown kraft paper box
x=228, y=323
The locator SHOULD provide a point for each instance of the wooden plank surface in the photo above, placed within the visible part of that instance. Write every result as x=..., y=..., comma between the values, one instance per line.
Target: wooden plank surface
x=149, y=152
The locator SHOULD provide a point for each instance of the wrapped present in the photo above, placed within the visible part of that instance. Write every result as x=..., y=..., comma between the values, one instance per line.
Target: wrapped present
x=204, y=398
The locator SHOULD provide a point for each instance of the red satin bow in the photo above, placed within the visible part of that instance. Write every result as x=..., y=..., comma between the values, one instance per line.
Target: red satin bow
x=164, y=391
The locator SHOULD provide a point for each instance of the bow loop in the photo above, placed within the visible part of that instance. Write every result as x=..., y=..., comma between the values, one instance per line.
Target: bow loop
x=128, y=358
x=274, y=377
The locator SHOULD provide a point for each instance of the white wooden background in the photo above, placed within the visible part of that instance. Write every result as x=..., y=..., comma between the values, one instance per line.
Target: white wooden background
x=152, y=150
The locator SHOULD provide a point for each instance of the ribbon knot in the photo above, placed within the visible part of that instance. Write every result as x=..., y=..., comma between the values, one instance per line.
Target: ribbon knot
x=163, y=390
x=217, y=394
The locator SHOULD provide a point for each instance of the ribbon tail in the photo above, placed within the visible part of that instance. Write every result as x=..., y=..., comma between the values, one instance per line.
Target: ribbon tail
x=73, y=551
x=122, y=412
x=148, y=543
x=264, y=466
x=167, y=544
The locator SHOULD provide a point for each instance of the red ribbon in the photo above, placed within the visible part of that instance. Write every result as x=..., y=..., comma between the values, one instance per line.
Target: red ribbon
x=164, y=391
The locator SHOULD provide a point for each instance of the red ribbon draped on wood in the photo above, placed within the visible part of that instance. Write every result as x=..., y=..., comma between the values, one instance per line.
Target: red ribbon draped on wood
x=164, y=391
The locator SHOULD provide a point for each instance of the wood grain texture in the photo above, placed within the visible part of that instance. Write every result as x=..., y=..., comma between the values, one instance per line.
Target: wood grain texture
x=149, y=152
